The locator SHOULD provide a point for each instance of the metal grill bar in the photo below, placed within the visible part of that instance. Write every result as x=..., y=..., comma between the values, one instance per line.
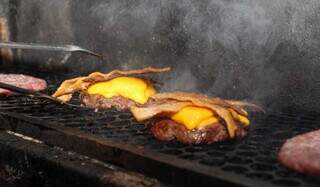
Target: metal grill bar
x=55, y=167
x=116, y=137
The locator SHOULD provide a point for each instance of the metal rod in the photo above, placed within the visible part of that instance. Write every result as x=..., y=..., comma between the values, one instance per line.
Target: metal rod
x=31, y=46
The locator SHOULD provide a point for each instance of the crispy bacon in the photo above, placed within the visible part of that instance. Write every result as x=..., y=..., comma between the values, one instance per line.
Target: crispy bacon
x=68, y=87
x=146, y=112
x=202, y=99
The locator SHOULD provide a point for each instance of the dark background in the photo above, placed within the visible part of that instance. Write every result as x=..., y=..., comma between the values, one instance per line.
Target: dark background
x=262, y=51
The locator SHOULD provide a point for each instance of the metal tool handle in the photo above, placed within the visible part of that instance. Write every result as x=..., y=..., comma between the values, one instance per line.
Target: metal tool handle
x=66, y=48
x=35, y=94
x=28, y=92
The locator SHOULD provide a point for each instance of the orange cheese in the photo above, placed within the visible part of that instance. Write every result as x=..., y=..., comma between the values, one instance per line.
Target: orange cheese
x=194, y=117
x=133, y=88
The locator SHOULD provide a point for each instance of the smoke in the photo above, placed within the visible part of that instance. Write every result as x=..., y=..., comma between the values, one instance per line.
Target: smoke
x=44, y=22
x=130, y=19
x=4, y=8
x=264, y=46
x=181, y=80
x=236, y=25
x=230, y=42
x=248, y=50
x=50, y=18
x=261, y=51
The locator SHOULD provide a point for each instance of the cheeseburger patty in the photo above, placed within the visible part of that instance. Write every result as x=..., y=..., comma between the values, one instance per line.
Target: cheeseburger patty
x=103, y=84
x=192, y=118
x=167, y=130
x=100, y=102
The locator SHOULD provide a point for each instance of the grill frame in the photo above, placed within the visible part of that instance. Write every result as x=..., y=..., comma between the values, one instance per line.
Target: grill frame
x=74, y=140
x=30, y=163
x=166, y=167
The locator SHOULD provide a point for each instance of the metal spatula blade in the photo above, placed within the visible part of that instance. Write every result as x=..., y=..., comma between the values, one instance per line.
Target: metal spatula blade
x=32, y=46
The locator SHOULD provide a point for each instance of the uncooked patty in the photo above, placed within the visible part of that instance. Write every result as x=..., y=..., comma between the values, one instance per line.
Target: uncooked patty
x=22, y=81
x=302, y=153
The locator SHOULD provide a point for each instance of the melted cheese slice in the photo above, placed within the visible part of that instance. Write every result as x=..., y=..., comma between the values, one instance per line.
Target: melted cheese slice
x=197, y=117
x=242, y=119
x=133, y=88
x=194, y=117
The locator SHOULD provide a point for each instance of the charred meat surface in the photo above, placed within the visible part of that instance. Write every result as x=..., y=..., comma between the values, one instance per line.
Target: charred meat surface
x=167, y=130
x=100, y=102
x=21, y=81
x=302, y=153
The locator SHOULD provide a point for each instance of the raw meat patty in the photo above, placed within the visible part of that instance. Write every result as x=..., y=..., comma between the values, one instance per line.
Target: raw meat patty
x=22, y=81
x=302, y=153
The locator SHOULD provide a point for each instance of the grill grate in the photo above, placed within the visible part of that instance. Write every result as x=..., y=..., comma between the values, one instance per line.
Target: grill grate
x=253, y=158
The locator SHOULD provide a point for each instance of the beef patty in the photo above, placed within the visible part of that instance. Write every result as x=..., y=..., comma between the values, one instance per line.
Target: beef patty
x=167, y=129
x=100, y=102
x=302, y=153
x=21, y=81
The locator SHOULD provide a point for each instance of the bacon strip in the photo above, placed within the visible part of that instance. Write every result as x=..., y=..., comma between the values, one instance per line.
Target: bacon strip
x=68, y=87
x=147, y=112
x=201, y=99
